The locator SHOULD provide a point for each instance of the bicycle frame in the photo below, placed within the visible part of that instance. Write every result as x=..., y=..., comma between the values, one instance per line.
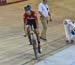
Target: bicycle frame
x=33, y=40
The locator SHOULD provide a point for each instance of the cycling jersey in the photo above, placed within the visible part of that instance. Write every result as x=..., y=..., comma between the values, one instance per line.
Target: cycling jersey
x=30, y=19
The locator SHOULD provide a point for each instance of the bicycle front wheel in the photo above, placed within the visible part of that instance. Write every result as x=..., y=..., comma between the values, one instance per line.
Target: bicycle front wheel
x=35, y=48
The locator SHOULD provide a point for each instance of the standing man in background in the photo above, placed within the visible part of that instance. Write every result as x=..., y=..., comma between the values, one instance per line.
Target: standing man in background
x=44, y=14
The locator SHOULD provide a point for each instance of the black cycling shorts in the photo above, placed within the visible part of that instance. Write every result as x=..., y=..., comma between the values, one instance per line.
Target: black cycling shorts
x=32, y=23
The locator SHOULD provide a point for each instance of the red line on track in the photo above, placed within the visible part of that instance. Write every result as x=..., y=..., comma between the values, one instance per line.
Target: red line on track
x=12, y=2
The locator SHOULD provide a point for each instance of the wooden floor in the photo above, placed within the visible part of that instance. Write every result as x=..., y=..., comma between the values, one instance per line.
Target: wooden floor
x=14, y=48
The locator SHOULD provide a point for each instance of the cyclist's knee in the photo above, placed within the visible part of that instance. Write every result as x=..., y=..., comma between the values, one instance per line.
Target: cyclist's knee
x=28, y=28
x=37, y=32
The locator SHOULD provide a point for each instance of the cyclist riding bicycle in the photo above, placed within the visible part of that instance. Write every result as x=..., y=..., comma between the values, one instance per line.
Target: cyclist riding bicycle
x=30, y=18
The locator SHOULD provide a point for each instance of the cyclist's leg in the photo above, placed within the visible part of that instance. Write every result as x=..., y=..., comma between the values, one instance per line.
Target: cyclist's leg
x=29, y=36
x=37, y=35
x=38, y=40
x=36, y=31
x=28, y=32
x=25, y=29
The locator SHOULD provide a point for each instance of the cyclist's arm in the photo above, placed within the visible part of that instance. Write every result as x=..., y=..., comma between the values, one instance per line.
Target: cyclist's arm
x=36, y=20
x=25, y=21
x=24, y=25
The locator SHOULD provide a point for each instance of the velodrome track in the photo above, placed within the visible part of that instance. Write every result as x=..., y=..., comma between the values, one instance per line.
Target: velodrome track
x=14, y=48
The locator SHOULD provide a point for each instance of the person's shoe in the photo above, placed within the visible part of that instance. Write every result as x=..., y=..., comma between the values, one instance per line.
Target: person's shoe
x=72, y=41
x=43, y=38
x=25, y=35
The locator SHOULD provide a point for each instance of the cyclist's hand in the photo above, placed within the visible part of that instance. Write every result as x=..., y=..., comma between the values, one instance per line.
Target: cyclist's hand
x=37, y=26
